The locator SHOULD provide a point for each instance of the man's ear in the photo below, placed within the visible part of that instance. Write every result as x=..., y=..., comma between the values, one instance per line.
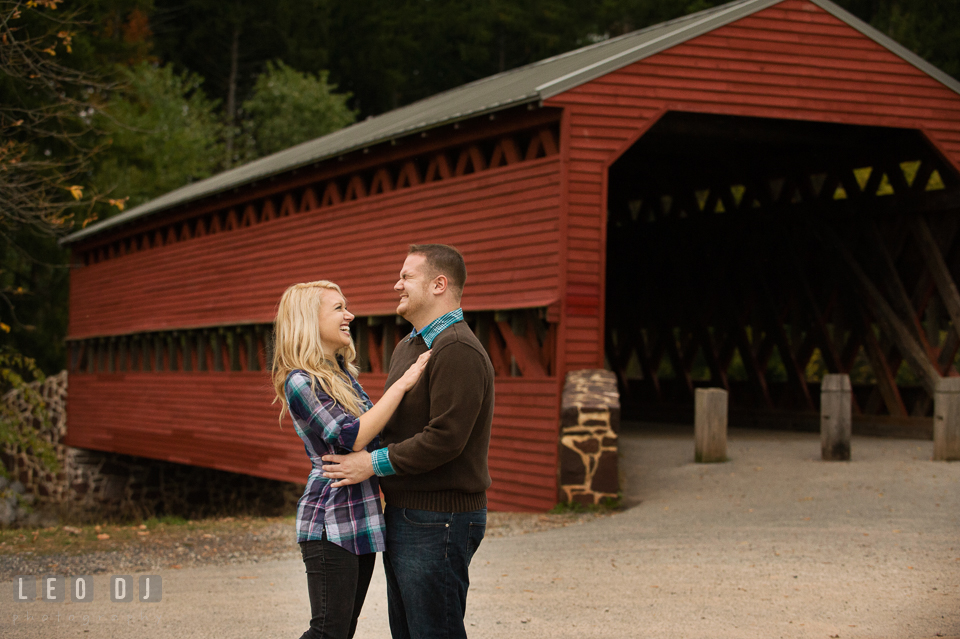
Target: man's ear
x=440, y=284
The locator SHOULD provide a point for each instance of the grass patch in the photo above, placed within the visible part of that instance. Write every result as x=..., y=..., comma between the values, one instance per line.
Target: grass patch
x=106, y=537
x=606, y=505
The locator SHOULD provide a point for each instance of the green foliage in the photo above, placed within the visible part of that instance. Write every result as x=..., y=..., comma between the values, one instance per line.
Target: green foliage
x=289, y=107
x=198, y=35
x=14, y=431
x=161, y=132
x=616, y=17
x=33, y=297
x=816, y=368
x=165, y=520
x=44, y=131
x=606, y=505
x=929, y=28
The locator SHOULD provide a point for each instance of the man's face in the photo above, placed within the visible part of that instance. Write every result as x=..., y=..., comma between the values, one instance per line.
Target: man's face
x=413, y=287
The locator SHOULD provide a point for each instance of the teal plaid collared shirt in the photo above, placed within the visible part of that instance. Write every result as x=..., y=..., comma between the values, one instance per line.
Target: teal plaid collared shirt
x=380, y=457
x=437, y=326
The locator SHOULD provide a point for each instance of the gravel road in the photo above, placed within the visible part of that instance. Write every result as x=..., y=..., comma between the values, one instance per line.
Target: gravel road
x=774, y=543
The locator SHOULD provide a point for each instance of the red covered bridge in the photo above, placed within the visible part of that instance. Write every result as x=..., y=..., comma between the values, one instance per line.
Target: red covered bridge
x=740, y=198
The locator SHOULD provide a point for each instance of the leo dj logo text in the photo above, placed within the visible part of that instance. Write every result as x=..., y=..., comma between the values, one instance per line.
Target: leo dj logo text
x=56, y=588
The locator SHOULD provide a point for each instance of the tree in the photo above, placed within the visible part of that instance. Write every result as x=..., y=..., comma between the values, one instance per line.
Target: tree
x=388, y=53
x=227, y=43
x=52, y=84
x=160, y=132
x=46, y=143
x=289, y=107
x=44, y=118
x=929, y=28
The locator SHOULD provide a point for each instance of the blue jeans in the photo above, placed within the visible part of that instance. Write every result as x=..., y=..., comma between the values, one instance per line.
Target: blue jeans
x=426, y=561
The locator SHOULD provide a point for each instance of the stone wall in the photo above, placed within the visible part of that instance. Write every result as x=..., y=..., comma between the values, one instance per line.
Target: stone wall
x=589, y=424
x=93, y=485
x=21, y=464
x=110, y=485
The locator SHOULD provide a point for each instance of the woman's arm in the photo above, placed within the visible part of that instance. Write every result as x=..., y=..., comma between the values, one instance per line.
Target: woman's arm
x=314, y=412
x=373, y=421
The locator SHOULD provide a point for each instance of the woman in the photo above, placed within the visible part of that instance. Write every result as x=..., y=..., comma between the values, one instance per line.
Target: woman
x=339, y=529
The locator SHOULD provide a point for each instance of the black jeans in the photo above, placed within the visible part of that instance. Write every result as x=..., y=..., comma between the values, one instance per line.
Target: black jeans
x=337, y=581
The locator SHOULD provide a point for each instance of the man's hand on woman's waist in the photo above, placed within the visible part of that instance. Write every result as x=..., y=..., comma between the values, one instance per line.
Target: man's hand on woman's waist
x=348, y=469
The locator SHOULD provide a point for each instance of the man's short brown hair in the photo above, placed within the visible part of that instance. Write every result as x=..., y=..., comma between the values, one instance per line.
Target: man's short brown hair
x=444, y=260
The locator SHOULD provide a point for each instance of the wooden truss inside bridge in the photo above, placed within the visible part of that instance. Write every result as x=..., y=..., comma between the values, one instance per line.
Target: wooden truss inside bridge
x=757, y=255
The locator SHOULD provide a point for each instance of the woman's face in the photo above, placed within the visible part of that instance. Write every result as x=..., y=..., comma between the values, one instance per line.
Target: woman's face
x=334, y=321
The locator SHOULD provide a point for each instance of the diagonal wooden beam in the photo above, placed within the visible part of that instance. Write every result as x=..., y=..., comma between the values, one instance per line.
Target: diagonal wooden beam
x=676, y=358
x=689, y=349
x=649, y=370
x=827, y=346
x=527, y=359
x=900, y=299
x=765, y=350
x=728, y=346
x=888, y=320
x=938, y=269
x=717, y=374
x=618, y=354
x=886, y=376
x=750, y=362
x=498, y=354
x=796, y=375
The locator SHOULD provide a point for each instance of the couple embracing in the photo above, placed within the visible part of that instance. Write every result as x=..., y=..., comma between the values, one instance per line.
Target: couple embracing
x=424, y=444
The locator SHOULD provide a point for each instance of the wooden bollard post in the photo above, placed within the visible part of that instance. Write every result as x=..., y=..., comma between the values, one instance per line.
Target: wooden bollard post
x=836, y=418
x=710, y=425
x=946, y=420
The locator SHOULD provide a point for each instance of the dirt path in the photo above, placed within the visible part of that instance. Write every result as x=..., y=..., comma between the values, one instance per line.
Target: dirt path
x=771, y=544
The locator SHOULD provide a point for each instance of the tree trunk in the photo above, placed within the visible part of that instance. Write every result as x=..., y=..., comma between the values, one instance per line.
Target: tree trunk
x=231, y=115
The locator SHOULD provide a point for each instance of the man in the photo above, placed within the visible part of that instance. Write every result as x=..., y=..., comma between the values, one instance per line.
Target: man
x=434, y=463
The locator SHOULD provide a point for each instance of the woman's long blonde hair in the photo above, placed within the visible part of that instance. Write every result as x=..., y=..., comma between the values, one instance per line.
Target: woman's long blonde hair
x=296, y=345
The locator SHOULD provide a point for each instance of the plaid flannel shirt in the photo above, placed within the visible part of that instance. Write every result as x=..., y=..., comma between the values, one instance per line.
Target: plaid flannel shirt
x=351, y=515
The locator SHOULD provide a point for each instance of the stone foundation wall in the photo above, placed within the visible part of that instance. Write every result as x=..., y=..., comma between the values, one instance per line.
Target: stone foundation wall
x=93, y=485
x=589, y=423
x=110, y=485
x=23, y=465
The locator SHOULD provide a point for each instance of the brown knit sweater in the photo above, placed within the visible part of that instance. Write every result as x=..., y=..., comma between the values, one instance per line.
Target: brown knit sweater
x=439, y=436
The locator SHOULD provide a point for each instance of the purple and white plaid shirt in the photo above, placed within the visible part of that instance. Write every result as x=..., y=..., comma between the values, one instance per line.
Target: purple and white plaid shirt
x=351, y=515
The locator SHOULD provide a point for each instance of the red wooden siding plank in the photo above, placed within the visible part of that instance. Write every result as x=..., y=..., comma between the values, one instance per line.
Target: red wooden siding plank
x=233, y=279
x=192, y=430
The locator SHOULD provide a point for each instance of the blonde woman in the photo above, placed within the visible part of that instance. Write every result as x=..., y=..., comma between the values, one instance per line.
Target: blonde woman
x=339, y=529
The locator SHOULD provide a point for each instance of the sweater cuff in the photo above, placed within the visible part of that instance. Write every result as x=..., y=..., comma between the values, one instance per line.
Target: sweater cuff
x=381, y=463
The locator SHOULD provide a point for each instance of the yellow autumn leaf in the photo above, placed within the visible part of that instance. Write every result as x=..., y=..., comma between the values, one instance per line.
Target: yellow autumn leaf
x=50, y=50
x=76, y=191
x=120, y=203
x=67, y=38
x=4, y=328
